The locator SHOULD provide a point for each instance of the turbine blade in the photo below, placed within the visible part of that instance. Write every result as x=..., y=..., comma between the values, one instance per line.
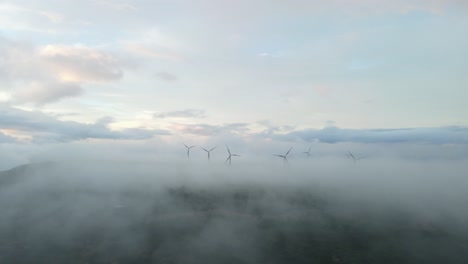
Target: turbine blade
x=212, y=149
x=288, y=151
x=229, y=151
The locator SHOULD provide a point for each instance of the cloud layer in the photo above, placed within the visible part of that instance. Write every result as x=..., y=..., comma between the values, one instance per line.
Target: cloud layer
x=435, y=135
x=44, y=128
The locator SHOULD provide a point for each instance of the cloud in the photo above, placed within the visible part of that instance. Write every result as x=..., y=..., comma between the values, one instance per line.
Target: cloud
x=186, y=113
x=80, y=63
x=435, y=135
x=210, y=130
x=271, y=129
x=119, y=6
x=44, y=128
x=43, y=93
x=244, y=214
x=104, y=121
x=52, y=16
x=154, y=52
x=49, y=73
x=25, y=18
x=165, y=76
x=324, y=90
x=402, y=6
x=6, y=139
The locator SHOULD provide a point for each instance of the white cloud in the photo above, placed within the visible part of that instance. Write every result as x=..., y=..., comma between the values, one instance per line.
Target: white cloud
x=52, y=16
x=186, y=113
x=44, y=93
x=80, y=63
x=46, y=74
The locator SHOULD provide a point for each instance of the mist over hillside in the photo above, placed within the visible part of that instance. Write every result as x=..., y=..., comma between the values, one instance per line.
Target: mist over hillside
x=323, y=211
x=241, y=132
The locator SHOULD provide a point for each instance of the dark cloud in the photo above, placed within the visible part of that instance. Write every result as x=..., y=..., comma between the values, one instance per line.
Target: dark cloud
x=186, y=113
x=433, y=135
x=165, y=76
x=46, y=128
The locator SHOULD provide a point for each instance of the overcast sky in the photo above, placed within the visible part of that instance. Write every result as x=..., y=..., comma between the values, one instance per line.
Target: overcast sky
x=378, y=71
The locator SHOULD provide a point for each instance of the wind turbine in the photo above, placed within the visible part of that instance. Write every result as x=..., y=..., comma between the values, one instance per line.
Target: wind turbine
x=308, y=152
x=188, y=150
x=285, y=156
x=351, y=156
x=208, y=151
x=230, y=155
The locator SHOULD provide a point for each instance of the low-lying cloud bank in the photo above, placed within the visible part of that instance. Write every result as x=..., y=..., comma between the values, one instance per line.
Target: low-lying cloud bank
x=327, y=212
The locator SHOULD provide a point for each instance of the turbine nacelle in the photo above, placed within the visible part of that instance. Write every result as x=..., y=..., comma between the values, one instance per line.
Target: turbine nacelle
x=230, y=156
x=188, y=150
x=285, y=156
x=208, y=151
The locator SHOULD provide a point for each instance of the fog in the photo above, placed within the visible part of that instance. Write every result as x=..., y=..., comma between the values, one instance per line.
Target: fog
x=259, y=210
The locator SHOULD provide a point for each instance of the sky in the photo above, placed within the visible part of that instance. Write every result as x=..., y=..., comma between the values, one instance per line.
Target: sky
x=168, y=72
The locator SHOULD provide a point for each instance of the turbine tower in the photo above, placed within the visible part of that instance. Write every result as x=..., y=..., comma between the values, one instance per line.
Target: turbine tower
x=230, y=155
x=308, y=152
x=188, y=150
x=208, y=151
x=285, y=156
